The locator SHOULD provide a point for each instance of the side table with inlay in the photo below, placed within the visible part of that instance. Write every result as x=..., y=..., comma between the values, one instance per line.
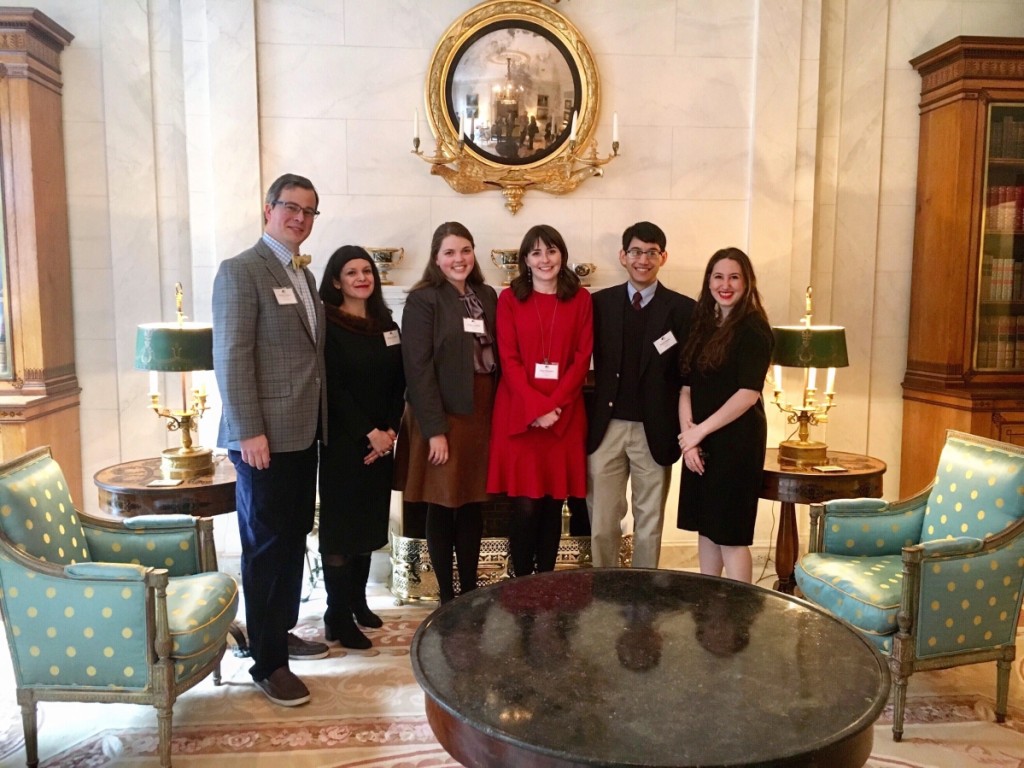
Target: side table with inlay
x=125, y=490
x=790, y=484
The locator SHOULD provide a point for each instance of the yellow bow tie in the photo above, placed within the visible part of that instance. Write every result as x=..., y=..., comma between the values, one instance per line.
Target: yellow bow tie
x=300, y=260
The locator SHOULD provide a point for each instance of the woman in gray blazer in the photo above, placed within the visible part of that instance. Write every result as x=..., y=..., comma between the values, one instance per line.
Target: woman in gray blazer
x=451, y=369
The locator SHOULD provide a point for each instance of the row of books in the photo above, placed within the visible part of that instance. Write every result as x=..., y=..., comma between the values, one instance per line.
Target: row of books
x=1005, y=208
x=1002, y=279
x=1007, y=138
x=1001, y=342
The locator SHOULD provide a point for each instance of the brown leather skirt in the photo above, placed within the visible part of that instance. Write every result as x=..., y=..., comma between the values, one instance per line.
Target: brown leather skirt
x=463, y=478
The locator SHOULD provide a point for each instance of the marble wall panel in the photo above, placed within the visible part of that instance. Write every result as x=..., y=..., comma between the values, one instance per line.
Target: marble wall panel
x=101, y=447
x=914, y=26
x=193, y=20
x=642, y=171
x=298, y=81
x=680, y=91
x=88, y=223
x=711, y=163
x=300, y=22
x=85, y=160
x=726, y=27
x=399, y=24
x=902, y=94
x=773, y=151
x=96, y=367
x=644, y=27
x=316, y=149
x=899, y=171
x=236, y=190
x=892, y=311
x=381, y=153
x=81, y=71
x=93, y=303
x=979, y=17
x=896, y=238
x=131, y=174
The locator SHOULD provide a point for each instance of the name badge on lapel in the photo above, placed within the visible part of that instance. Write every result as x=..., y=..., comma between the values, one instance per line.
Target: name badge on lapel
x=473, y=326
x=666, y=342
x=391, y=338
x=285, y=296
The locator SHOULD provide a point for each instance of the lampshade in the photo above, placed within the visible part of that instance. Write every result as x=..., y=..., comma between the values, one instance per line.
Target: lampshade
x=815, y=346
x=174, y=347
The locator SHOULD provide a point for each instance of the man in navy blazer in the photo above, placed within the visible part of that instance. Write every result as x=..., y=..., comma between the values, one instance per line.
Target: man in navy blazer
x=268, y=344
x=639, y=328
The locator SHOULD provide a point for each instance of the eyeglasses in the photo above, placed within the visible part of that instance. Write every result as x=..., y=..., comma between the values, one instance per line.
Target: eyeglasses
x=652, y=254
x=295, y=210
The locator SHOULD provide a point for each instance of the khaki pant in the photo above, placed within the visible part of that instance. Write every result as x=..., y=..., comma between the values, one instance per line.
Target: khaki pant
x=624, y=455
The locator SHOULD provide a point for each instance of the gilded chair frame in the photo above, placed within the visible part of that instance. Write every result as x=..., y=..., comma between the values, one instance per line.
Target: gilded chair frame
x=916, y=558
x=160, y=689
x=903, y=661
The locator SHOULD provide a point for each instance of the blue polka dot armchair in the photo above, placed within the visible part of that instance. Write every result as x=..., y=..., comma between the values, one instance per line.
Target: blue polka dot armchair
x=105, y=610
x=933, y=581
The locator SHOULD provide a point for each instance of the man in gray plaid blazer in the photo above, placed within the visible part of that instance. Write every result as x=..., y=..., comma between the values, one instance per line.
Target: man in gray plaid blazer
x=268, y=345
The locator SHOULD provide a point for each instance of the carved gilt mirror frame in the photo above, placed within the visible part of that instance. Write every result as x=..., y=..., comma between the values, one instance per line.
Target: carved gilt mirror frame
x=505, y=82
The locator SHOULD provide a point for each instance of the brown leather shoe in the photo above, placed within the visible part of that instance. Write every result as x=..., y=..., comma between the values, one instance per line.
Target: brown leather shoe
x=306, y=650
x=284, y=688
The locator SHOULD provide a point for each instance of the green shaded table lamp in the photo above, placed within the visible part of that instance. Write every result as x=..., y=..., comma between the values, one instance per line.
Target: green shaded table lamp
x=180, y=347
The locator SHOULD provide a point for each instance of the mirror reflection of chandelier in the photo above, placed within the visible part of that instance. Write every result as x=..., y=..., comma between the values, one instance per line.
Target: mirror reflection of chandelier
x=508, y=93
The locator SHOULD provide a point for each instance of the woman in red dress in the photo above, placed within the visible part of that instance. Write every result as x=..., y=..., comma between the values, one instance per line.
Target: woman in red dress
x=537, y=454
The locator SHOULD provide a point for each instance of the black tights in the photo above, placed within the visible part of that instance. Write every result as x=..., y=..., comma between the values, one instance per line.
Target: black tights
x=461, y=528
x=534, y=533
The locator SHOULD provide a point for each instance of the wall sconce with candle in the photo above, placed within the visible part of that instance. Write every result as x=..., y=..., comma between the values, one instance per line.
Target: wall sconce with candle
x=808, y=347
x=181, y=347
x=519, y=119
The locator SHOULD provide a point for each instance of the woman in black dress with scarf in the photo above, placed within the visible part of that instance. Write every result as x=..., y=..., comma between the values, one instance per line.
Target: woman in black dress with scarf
x=724, y=430
x=365, y=399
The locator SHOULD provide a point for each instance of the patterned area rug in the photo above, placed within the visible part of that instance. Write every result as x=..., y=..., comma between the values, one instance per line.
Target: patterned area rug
x=367, y=712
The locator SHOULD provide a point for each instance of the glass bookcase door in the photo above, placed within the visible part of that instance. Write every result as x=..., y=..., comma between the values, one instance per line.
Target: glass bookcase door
x=999, y=339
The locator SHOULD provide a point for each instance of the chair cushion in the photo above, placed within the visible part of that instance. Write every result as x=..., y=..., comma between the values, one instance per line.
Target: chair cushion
x=200, y=609
x=978, y=491
x=172, y=549
x=865, y=591
x=37, y=515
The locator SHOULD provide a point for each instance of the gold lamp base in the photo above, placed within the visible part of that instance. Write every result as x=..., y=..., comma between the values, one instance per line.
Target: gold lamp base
x=803, y=452
x=184, y=463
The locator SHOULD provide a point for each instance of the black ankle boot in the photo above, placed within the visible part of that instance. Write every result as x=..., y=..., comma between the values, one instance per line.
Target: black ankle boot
x=344, y=630
x=360, y=610
x=338, y=623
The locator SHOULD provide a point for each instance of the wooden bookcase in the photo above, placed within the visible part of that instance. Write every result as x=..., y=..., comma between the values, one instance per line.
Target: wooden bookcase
x=965, y=353
x=39, y=392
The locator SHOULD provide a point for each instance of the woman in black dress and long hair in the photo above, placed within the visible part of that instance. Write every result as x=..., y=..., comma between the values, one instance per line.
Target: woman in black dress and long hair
x=365, y=399
x=724, y=430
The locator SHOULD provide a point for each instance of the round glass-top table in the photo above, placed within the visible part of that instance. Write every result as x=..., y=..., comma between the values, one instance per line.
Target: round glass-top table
x=630, y=667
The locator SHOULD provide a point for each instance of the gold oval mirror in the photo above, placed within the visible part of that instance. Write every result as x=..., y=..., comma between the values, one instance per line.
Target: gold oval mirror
x=512, y=98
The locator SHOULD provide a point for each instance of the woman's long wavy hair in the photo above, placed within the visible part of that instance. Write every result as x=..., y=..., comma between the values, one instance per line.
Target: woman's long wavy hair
x=433, y=277
x=376, y=308
x=709, y=341
x=567, y=283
